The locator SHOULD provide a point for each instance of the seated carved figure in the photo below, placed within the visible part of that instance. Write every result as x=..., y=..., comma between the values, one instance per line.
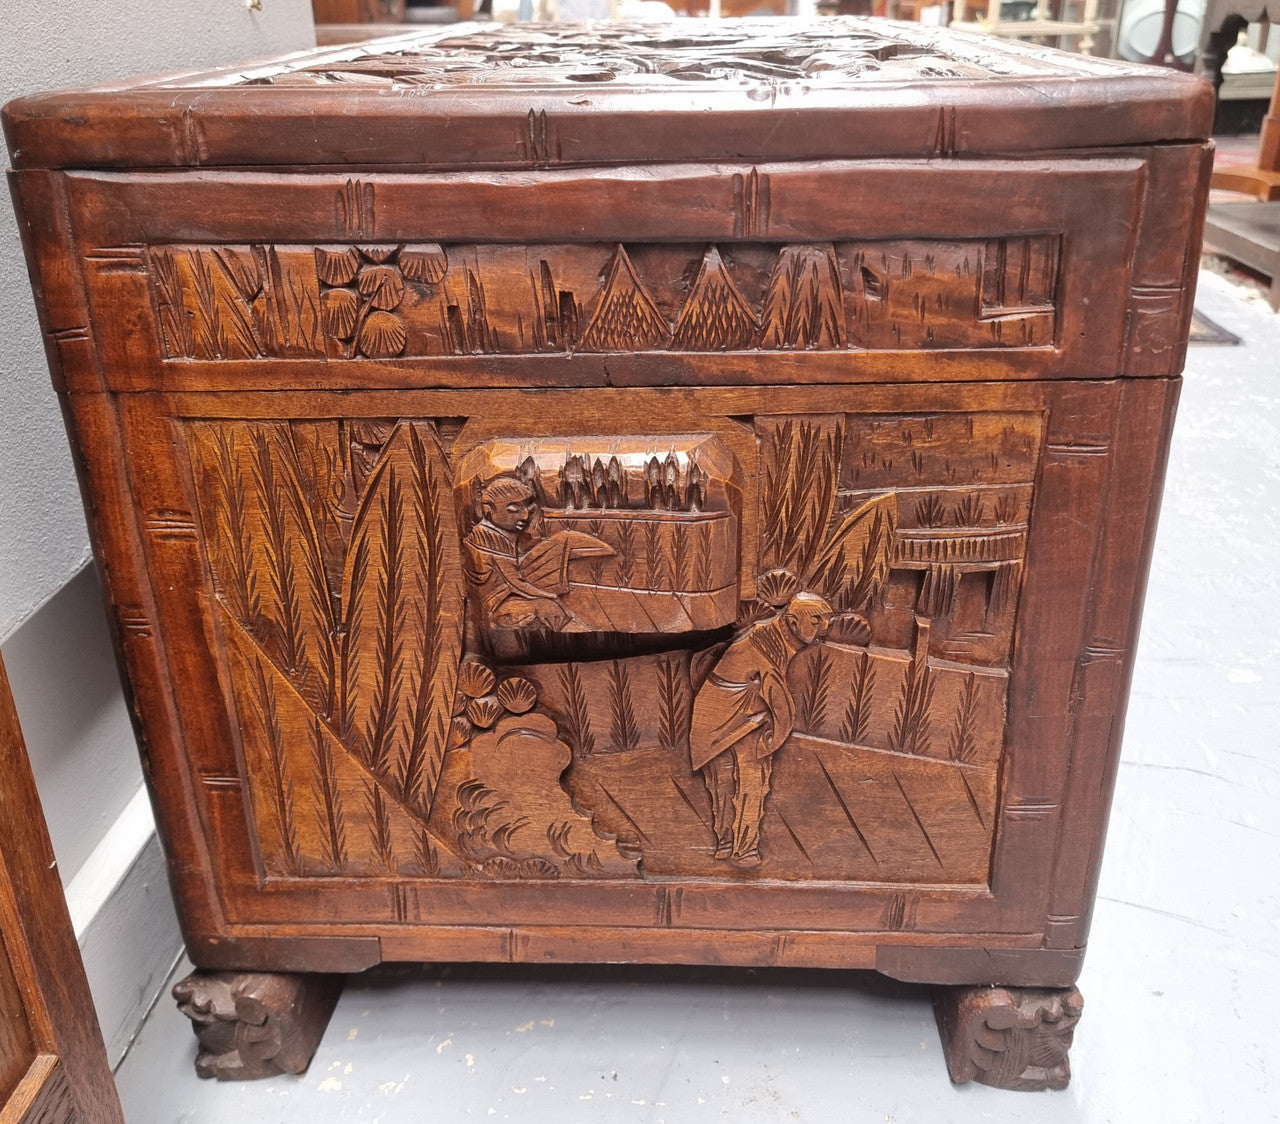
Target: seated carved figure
x=743, y=714
x=518, y=573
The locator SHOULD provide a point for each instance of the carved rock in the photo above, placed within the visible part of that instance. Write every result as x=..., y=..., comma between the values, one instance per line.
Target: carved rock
x=256, y=1024
x=1011, y=1038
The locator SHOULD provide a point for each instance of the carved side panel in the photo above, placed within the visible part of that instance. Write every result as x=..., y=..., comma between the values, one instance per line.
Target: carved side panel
x=535, y=663
x=373, y=301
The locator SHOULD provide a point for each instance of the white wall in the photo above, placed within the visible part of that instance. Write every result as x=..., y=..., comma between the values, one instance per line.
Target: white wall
x=51, y=620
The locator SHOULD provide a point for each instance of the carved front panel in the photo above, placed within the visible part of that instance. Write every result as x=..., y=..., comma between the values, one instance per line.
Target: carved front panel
x=552, y=658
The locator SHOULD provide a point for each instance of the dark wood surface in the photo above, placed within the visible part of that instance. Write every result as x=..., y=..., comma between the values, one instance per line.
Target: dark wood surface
x=53, y=1065
x=256, y=1024
x=702, y=519
x=449, y=98
x=1012, y=1038
x=357, y=11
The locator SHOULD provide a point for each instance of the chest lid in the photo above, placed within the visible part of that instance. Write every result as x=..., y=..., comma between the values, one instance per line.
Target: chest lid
x=539, y=95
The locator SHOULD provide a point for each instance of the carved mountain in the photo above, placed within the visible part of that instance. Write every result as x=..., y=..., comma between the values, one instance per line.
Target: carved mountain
x=626, y=319
x=804, y=306
x=715, y=317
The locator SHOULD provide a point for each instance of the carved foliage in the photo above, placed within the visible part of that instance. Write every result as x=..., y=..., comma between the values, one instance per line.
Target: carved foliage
x=335, y=560
x=236, y=302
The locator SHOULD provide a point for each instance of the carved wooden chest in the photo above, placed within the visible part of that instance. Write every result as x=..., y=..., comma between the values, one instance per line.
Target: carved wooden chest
x=673, y=493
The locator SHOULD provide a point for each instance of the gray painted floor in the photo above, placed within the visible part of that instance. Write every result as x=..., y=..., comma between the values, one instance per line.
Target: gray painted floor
x=1182, y=982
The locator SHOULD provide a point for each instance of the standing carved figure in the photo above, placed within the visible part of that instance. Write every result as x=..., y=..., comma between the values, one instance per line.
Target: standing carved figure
x=743, y=714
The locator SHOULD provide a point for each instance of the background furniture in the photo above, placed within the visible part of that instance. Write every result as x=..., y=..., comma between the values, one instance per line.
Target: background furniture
x=1246, y=232
x=1079, y=21
x=53, y=1065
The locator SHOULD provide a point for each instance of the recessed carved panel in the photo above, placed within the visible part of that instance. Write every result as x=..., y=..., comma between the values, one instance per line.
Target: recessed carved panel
x=530, y=659
x=375, y=301
x=600, y=535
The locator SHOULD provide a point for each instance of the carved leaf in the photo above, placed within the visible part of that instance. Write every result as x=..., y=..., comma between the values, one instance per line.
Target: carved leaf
x=518, y=695
x=855, y=560
x=341, y=309
x=475, y=680
x=403, y=613
x=382, y=285
x=265, y=551
x=379, y=254
x=804, y=306
x=777, y=587
x=484, y=711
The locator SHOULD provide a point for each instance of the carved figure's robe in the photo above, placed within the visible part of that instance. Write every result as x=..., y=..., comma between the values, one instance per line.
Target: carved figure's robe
x=755, y=704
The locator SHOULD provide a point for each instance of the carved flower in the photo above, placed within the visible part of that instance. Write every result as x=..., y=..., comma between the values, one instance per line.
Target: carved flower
x=500, y=868
x=460, y=731
x=474, y=679
x=428, y=263
x=379, y=254
x=382, y=284
x=341, y=310
x=517, y=694
x=777, y=587
x=337, y=267
x=484, y=711
x=382, y=336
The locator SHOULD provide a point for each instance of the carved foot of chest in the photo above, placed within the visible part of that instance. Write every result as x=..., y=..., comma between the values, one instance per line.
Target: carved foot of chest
x=256, y=1024
x=1009, y=1037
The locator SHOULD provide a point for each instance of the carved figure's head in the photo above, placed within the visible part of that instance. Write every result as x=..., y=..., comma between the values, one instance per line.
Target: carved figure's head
x=808, y=616
x=509, y=504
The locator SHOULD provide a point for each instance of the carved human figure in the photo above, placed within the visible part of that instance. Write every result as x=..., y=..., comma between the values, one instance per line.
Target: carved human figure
x=742, y=715
x=518, y=573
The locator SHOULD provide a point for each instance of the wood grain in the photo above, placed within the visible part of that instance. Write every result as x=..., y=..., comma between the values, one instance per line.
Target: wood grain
x=610, y=494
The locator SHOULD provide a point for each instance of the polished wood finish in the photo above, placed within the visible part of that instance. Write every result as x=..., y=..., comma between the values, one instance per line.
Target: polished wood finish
x=659, y=506
x=53, y=1065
